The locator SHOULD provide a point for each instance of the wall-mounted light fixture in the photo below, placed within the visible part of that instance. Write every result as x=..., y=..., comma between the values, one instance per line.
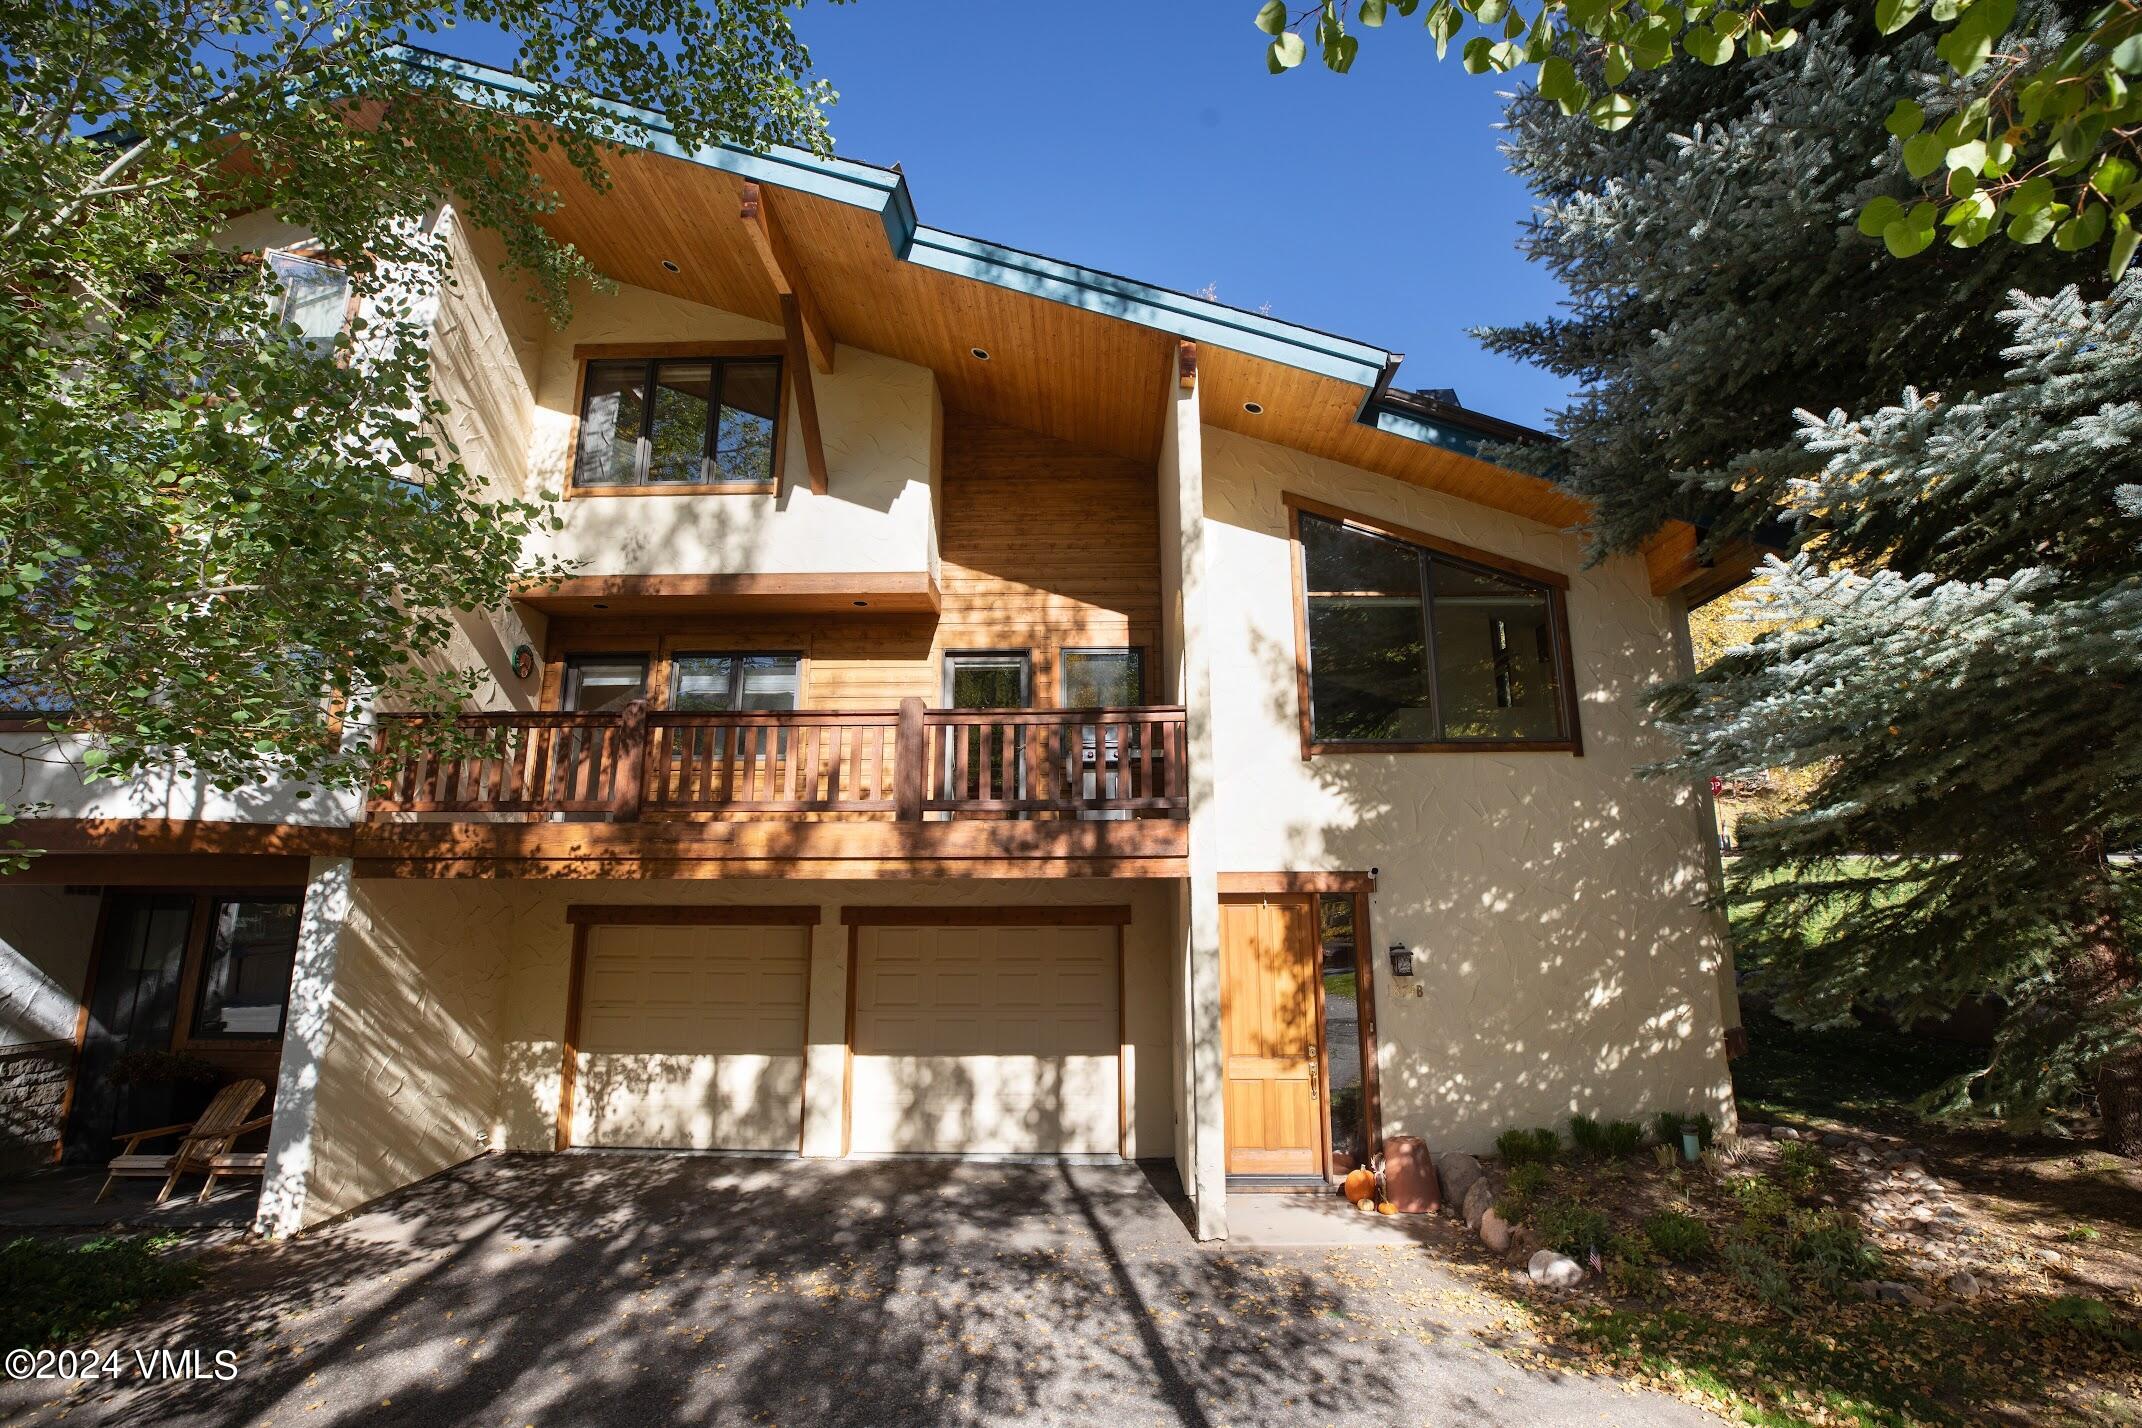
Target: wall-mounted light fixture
x=1401, y=960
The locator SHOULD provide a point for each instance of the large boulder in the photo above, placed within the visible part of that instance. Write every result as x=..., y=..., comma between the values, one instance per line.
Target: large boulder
x=1458, y=1172
x=1556, y=1271
x=1479, y=1199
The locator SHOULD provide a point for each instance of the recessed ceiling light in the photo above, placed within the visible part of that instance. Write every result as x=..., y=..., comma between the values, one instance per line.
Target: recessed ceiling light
x=669, y=267
x=979, y=354
x=1254, y=408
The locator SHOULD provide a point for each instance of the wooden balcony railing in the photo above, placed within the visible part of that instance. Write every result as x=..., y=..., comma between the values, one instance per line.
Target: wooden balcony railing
x=909, y=764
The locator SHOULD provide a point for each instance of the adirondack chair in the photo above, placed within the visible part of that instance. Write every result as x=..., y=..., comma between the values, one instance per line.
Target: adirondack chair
x=201, y=1142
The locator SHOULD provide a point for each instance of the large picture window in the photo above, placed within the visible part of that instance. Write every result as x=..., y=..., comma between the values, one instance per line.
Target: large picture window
x=1416, y=647
x=687, y=422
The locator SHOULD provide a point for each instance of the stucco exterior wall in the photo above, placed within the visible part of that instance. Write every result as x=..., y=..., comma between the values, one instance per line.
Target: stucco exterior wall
x=1551, y=901
x=534, y=1011
x=408, y=1073
x=878, y=418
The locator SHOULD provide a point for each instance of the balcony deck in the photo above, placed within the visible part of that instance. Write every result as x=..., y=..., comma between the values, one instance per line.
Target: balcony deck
x=648, y=793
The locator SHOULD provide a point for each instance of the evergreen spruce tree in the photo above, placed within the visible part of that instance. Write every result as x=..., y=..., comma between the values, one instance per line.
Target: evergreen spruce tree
x=1959, y=659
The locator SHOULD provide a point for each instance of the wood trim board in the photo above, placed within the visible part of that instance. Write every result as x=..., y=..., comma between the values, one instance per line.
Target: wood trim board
x=745, y=914
x=1001, y=915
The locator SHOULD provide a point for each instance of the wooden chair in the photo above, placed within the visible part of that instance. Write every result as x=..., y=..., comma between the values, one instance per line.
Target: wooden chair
x=201, y=1142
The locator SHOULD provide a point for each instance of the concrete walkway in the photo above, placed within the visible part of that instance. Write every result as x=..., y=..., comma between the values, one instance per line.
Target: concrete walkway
x=640, y=1290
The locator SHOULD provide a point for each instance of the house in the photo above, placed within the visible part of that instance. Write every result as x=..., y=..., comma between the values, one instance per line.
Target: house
x=1000, y=708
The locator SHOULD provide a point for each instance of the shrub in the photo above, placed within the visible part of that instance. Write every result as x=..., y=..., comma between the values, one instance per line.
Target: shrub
x=2080, y=1234
x=1518, y=1147
x=1833, y=1251
x=1573, y=1229
x=1629, y=1270
x=1611, y=1140
x=52, y=1292
x=1800, y=1167
x=1521, y=1191
x=1759, y=1272
x=1763, y=1203
x=1684, y=1239
x=1587, y=1137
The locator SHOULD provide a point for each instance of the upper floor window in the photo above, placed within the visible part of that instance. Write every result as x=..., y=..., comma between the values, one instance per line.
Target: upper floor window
x=707, y=422
x=724, y=682
x=1103, y=679
x=313, y=296
x=1413, y=647
x=595, y=683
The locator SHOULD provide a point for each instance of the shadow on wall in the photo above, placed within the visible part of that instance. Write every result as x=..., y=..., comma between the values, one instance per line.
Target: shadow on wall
x=1553, y=905
x=687, y=1289
x=410, y=1077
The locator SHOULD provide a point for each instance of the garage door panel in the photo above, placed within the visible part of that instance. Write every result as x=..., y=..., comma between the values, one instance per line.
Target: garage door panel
x=692, y=1038
x=989, y=1040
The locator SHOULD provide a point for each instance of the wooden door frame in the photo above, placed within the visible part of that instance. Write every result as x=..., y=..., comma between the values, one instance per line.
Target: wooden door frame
x=584, y=917
x=1306, y=888
x=1115, y=915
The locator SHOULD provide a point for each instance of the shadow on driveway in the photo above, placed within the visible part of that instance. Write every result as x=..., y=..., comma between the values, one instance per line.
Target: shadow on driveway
x=642, y=1290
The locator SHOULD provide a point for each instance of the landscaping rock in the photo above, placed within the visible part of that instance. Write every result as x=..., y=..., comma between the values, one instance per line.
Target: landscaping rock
x=1494, y=1232
x=1890, y=1291
x=1783, y=1133
x=1458, y=1172
x=1556, y=1271
x=1964, y=1284
x=1479, y=1198
x=1836, y=1141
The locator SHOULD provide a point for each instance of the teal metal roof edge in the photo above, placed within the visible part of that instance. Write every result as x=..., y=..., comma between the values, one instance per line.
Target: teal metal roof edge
x=885, y=192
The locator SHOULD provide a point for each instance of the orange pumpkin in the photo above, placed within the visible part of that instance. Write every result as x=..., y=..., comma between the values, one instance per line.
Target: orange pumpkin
x=1361, y=1184
x=1387, y=1208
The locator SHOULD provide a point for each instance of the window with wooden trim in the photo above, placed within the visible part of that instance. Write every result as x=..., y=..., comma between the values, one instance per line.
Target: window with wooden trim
x=1408, y=646
x=652, y=423
x=735, y=681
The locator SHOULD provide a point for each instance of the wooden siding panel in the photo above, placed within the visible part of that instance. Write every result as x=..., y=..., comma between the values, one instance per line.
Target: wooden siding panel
x=1045, y=546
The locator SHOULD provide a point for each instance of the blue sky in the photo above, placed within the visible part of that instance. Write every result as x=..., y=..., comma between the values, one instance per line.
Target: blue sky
x=1151, y=142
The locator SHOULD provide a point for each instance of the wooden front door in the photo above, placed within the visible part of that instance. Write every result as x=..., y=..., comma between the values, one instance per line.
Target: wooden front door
x=1268, y=1036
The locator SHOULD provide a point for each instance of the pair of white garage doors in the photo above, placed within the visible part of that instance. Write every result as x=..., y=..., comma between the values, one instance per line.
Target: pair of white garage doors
x=960, y=1040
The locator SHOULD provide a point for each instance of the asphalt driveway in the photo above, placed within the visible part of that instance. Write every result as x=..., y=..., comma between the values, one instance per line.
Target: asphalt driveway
x=646, y=1290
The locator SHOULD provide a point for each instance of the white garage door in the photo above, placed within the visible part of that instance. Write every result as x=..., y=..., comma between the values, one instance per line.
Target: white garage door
x=691, y=1038
x=985, y=1040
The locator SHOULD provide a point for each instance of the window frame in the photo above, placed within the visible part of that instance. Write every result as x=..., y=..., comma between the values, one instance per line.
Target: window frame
x=1553, y=583
x=736, y=675
x=1063, y=670
x=651, y=353
x=313, y=251
x=569, y=694
x=193, y=998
